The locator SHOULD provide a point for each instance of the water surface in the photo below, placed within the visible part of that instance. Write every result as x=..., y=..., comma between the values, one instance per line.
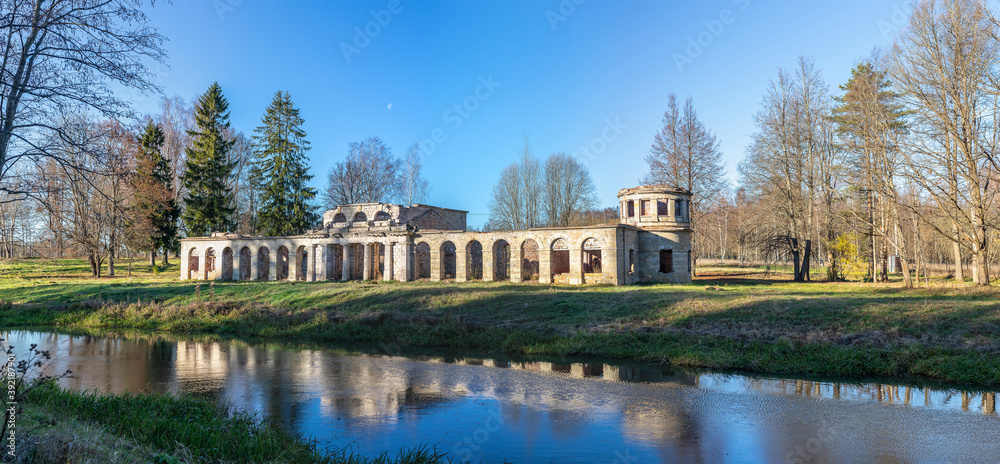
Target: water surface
x=487, y=409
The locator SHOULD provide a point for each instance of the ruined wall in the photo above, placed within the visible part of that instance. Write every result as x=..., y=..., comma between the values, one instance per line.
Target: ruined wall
x=425, y=217
x=648, y=264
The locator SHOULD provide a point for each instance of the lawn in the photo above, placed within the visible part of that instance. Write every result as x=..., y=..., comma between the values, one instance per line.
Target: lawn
x=728, y=318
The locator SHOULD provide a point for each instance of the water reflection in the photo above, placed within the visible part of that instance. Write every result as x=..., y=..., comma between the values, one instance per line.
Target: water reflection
x=562, y=411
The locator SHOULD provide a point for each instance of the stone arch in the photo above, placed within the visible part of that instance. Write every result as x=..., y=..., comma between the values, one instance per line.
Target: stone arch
x=382, y=216
x=301, y=262
x=377, y=261
x=335, y=262
x=245, y=257
x=359, y=217
x=474, y=260
x=359, y=252
x=210, y=266
x=282, y=263
x=591, y=257
x=559, y=259
x=422, y=261
x=263, y=263
x=193, y=264
x=529, y=260
x=501, y=261
x=227, y=264
x=449, y=264
x=339, y=217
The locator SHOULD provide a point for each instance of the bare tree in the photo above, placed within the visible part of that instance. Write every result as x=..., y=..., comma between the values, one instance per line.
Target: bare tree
x=59, y=54
x=369, y=174
x=516, y=202
x=245, y=182
x=98, y=158
x=413, y=188
x=686, y=154
x=569, y=190
x=945, y=64
x=789, y=164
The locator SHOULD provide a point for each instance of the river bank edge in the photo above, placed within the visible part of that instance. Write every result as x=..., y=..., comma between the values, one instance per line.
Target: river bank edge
x=396, y=329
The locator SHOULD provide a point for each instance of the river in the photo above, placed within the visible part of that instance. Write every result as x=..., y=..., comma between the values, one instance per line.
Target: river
x=487, y=408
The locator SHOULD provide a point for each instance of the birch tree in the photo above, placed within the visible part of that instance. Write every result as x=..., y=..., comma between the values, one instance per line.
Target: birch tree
x=945, y=66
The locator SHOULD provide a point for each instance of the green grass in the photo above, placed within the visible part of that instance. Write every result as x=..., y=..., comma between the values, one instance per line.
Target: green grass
x=736, y=319
x=88, y=427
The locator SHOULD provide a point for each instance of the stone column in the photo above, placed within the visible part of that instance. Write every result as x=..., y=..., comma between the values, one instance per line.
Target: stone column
x=322, y=257
x=389, y=262
x=489, y=269
x=185, y=262
x=544, y=263
x=609, y=268
x=436, y=268
x=237, y=254
x=672, y=209
x=348, y=260
x=461, y=264
x=253, y=263
x=404, y=264
x=273, y=253
x=294, y=263
x=575, y=265
x=311, y=263
x=203, y=270
x=366, y=261
x=515, y=262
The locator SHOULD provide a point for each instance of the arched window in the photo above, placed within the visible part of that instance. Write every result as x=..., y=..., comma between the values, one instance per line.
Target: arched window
x=448, y=260
x=422, y=258
x=559, y=258
x=360, y=217
x=474, y=258
x=501, y=261
x=529, y=261
x=591, y=256
x=382, y=216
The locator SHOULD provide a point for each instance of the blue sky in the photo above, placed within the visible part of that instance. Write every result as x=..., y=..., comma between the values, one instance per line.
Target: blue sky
x=595, y=74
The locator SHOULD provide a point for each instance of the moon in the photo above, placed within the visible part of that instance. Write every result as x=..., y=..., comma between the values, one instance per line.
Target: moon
x=390, y=106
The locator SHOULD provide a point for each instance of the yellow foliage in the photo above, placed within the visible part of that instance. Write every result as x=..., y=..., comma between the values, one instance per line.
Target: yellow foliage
x=848, y=261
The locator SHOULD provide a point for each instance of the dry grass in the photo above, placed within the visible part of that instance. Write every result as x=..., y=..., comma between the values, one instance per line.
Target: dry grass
x=728, y=318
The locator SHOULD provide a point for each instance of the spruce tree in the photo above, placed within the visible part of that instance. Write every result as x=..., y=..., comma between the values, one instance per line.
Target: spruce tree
x=285, y=201
x=209, y=203
x=156, y=209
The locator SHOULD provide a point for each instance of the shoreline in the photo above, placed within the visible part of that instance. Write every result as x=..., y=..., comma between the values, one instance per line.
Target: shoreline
x=947, y=334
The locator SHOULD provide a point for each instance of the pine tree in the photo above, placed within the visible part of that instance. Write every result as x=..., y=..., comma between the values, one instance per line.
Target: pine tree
x=285, y=202
x=209, y=203
x=155, y=207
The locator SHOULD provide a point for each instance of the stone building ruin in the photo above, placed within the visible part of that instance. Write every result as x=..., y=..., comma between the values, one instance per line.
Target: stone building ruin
x=380, y=241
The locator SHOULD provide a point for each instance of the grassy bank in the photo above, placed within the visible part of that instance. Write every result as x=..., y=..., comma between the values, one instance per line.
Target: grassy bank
x=732, y=319
x=89, y=428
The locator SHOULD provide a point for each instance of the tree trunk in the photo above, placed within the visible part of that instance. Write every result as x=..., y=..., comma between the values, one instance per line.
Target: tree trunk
x=793, y=245
x=166, y=253
x=957, y=250
x=93, y=265
x=111, y=263
x=981, y=269
x=907, y=280
x=152, y=257
x=805, y=261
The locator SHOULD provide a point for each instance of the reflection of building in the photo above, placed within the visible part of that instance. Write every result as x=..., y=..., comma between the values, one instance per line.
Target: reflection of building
x=380, y=241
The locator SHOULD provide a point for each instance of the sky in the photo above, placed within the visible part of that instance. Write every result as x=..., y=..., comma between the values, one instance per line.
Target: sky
x=469, y=80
